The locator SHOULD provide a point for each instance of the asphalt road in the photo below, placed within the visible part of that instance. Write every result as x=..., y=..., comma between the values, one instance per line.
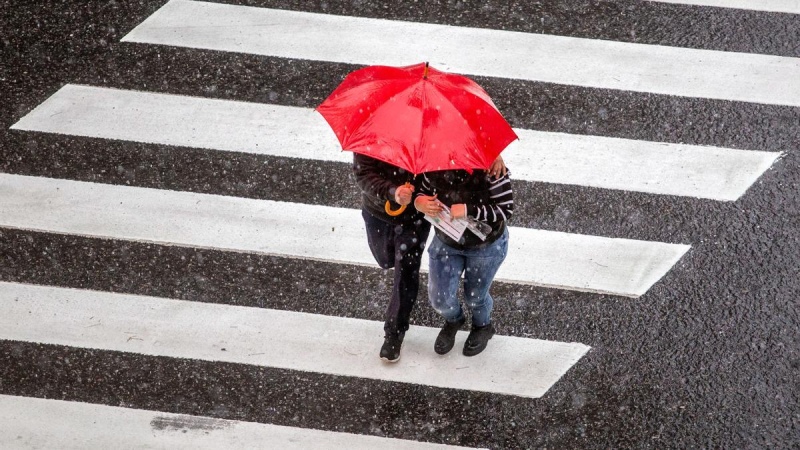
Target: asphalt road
x=709, y=357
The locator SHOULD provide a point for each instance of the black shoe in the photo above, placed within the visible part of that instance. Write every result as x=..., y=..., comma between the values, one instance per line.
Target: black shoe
x=477, y=339
x=390, y=351
x=447, y=337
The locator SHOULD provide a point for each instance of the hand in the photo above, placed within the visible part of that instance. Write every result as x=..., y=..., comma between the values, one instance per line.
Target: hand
x=402, y=195
x=498, y=168
x=428, y=205
x=458, y=211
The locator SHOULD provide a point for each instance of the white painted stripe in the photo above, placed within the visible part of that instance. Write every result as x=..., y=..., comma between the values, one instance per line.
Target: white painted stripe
x=186, y=121
x=30, y=423
x=611, y=163
x=283, y=339
x=475, y=51
x=653, y=167
x=784, y=6
x=547, y=258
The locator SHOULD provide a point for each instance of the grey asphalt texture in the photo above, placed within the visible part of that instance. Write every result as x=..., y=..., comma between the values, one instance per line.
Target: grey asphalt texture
x=708, y=358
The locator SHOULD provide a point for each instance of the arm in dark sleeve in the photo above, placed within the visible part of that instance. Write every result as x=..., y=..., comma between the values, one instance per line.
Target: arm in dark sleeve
x=500, y=205
x=371, y=178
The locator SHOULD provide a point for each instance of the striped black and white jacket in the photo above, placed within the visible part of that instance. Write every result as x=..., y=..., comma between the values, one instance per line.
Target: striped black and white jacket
x=488, y=199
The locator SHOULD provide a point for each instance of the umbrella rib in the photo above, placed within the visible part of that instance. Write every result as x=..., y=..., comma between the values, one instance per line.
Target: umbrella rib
x=453, y=106
x=425, y=84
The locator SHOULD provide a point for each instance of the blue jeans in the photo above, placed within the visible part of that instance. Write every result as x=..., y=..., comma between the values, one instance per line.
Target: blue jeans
x=479, y=266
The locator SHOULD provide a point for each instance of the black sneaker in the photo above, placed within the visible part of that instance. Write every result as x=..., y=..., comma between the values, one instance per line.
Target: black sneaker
x=447, y=337
x=478, y=339
x=390, y=351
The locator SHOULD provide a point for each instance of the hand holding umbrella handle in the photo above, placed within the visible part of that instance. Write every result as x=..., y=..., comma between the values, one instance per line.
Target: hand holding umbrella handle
x=395, y=212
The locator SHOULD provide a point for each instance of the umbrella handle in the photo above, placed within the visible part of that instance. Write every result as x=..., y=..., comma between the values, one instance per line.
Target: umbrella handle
x=393, y=212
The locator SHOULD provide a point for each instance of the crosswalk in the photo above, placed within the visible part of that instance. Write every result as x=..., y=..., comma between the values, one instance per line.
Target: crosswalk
x=74, y=425
x=225, y=125
x=545, y=258
x=179, y=329
x=474, y=51
x=171, y=331
x=781, y=6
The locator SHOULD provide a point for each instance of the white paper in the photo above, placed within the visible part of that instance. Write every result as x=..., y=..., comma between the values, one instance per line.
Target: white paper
x=454, y=228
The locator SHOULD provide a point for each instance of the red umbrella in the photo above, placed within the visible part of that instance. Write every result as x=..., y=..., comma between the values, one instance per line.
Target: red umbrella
x=417, y=118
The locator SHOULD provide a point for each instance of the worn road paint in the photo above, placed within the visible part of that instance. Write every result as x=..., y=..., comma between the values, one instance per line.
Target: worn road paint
x=39, y=423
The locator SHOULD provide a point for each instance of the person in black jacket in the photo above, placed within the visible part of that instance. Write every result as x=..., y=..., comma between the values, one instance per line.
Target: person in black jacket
x=488, y=202
x=395, y=241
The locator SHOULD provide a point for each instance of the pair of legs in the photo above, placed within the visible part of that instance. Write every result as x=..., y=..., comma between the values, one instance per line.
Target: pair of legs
x=399, y=247
x=479, y=267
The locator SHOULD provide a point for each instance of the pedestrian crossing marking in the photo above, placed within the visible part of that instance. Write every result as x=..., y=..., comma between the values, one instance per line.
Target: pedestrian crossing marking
x=602, y=162
x=273, y=338
x=545, y=258
x=43, y=423
x=475, y=51
x=784, y=6
x=667, y=71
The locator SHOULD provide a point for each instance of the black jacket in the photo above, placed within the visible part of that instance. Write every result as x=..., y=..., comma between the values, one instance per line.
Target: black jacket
x=378, y=181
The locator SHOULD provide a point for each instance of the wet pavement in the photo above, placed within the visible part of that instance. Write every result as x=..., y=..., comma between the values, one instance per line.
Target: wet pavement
x=709, y=357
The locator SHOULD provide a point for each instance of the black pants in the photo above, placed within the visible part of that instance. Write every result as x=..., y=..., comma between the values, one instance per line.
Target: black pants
x=399, y=247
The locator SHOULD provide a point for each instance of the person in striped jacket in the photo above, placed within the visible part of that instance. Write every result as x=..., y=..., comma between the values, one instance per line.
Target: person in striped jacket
x=488, y=202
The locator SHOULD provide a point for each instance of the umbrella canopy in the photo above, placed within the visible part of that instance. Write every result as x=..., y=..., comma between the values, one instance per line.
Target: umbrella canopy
x=417, y=118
